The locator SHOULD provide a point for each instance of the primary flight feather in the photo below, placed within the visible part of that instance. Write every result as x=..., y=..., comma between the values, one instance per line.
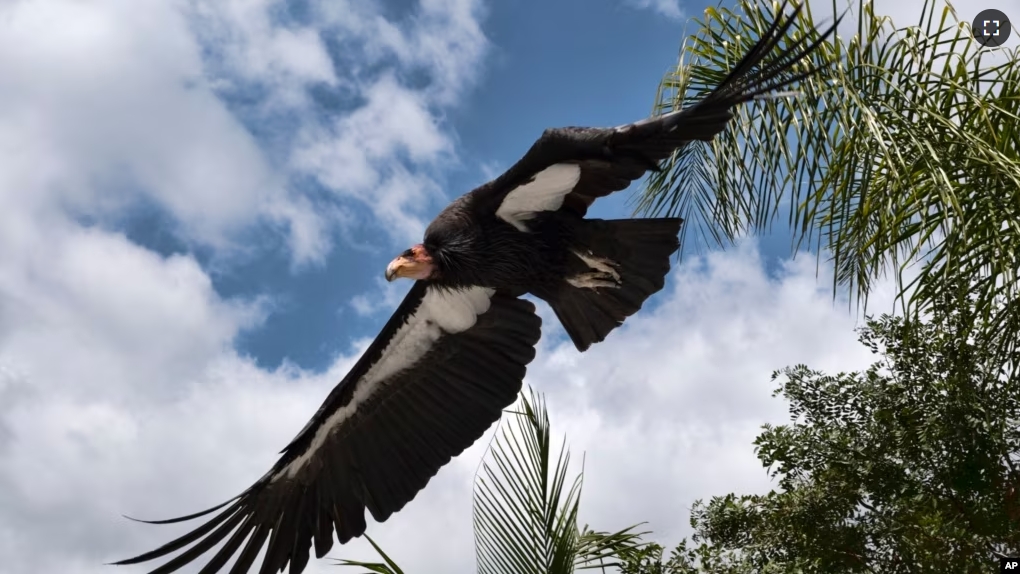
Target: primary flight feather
x=455, y=352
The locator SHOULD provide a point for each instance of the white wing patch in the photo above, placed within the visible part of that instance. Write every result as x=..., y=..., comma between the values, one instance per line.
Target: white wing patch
x=440, y=312
x=543, y=193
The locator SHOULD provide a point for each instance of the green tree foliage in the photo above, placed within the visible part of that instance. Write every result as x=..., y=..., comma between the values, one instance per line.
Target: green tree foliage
x=910, y=466
x=905, y=149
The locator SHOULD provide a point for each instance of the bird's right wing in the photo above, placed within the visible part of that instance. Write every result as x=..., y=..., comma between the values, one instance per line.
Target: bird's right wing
x=569, y=168
x=440, y=373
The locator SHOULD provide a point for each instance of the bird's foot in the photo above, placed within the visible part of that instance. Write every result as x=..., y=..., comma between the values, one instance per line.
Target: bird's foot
x=601, y=265
x=594, y=280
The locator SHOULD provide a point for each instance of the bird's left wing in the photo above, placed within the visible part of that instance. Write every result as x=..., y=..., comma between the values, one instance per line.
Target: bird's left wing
x=440, y=373
x=569, y=168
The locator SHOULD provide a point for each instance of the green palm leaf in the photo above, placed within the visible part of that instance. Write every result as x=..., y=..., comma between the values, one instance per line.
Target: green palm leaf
x=389, y=567
x=903, y=154
x=526, y=506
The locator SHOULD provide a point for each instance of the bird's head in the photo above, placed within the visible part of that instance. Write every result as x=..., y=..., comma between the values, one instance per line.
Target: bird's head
x=415, y=263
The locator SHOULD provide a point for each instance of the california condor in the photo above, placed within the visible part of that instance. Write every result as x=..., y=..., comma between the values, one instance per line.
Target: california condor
x=454, y=354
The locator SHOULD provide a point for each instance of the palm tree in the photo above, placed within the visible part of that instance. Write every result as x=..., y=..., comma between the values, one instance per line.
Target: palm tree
x=903, y=155
x=525, y=515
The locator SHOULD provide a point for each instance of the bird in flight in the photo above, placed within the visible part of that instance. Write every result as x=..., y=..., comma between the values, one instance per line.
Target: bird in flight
x=455, y=352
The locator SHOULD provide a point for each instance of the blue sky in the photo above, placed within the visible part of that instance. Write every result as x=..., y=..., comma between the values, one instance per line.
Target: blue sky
x=197, y=202
x=534, y=75
x=569, y=63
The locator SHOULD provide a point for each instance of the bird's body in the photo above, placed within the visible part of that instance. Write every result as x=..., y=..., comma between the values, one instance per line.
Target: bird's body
x=455, y=352
x=527, y=259
x=533, y=261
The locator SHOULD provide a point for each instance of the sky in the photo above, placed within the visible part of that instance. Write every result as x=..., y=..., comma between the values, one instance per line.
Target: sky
x=197, y=203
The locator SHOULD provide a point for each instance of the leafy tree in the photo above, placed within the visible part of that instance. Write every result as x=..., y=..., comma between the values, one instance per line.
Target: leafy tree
x=525, y=515
x=649, y=559
x=910, y=466
x=906, y=148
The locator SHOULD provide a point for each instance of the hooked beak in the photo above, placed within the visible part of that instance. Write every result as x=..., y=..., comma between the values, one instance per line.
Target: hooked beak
x=415, y=263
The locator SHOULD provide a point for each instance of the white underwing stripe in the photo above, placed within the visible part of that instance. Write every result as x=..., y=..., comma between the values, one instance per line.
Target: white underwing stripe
x=440, y=312
x=543, y=193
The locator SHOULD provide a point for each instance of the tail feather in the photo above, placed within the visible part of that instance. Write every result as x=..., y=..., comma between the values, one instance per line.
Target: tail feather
x=615, y=267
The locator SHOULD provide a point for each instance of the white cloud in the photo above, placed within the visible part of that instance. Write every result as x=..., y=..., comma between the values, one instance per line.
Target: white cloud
x=82, y=297
x=383, y=299
x=256, y=48
x=120, y=395
x=359, y=155
x=668, y=8
x=105, y=108
x=442, y=38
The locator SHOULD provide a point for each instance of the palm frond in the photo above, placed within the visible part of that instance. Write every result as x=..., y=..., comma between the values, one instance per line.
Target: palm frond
x=389, y=567
x=901, y=157
x=526, y=506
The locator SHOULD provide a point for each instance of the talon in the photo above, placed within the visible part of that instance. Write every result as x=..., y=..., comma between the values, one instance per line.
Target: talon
x=602, y=264
x=593, y=280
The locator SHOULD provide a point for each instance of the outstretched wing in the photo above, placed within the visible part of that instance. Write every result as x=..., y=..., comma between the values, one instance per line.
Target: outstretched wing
x=569, y=168
x=440, y=373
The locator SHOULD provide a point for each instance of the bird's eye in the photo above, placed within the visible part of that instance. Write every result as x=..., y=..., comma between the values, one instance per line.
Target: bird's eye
x=408, y=253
